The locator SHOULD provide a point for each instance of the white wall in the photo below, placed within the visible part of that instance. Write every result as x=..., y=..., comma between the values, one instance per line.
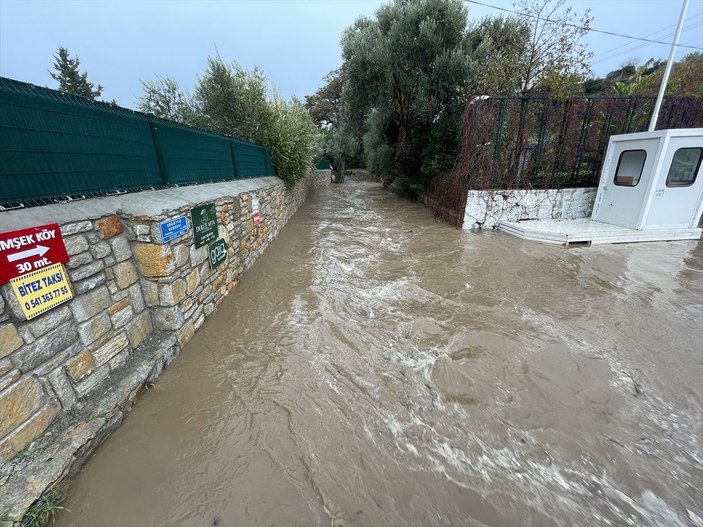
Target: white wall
x=486, y=208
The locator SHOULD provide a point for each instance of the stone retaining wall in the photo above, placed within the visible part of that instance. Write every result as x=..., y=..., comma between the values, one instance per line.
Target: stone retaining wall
x=486, y=208
x=68, y=376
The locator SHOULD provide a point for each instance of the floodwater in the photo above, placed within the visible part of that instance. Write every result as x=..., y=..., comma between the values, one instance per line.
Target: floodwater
x=379, y=368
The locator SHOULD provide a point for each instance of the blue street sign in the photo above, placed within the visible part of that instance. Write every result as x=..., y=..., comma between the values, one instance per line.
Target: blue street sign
x=173, y=228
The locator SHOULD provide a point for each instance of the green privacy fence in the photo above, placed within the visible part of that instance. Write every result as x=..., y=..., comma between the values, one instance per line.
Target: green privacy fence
x=55, y=146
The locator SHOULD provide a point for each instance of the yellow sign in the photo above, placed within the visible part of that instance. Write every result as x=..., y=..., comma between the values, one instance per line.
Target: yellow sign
x=40, y=291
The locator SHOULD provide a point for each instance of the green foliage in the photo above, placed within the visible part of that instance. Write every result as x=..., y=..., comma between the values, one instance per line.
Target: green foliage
x=407, y=70
x=554, y=60
x=293, y=138
x=636, y=81
x=379, y=154
x=499, y=40
x=231, y=100
x=163, y=98
x=41, y=511
x=685, y=80
x=323, y=105
x=69, y=77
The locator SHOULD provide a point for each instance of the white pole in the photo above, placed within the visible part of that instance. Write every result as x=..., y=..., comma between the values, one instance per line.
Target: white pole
x=667, y=70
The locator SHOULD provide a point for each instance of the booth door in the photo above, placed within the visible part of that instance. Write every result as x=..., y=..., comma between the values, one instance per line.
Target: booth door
x=679, y=188
x=623, y=188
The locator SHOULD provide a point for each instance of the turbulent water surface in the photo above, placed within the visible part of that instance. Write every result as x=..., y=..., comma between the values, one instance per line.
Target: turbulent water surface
x=377, y=367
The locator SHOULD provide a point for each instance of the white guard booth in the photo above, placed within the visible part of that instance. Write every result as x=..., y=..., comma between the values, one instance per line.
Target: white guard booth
x=650, y=189
x=652, y=180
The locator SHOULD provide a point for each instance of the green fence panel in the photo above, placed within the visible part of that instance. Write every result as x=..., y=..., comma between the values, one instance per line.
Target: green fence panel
x=51, y=147
x=55, y=145
x=193, y=156
x=252, y=160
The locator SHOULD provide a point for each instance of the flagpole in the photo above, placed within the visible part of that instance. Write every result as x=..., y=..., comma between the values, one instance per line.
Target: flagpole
x=667, y=70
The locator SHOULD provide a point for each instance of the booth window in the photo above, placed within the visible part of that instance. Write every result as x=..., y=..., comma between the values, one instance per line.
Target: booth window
x=684, y=167
x=630, y=166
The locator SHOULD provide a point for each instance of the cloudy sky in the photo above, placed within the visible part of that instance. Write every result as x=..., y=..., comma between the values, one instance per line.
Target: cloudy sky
x=296, y=42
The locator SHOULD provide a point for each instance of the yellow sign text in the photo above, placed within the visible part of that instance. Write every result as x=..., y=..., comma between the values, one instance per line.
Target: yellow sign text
x=40, y=291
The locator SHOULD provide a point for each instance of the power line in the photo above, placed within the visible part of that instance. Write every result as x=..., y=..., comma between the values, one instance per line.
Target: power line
x=669, y=34
x=608, y=55
x=579, y=27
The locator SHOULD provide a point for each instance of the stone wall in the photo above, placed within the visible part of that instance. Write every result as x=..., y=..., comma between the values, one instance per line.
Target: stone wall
x=68, y=376
x=486, y=208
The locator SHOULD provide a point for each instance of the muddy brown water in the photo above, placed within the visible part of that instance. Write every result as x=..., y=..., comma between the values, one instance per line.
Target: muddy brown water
x=377, y=367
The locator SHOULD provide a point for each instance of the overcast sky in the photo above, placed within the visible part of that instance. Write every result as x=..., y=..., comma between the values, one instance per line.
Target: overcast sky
x=296, y=42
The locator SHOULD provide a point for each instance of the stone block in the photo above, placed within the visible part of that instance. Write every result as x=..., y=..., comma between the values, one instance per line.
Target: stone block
x=75, y=244
x=32, y=355
x=12, y=305
x=112, y=287
x=92, y=381
x=192, y=281
x=110, y=349
x=219, y=281
x=53, y=362
x=100, y=250
x=47, y=321
x=141, y=229
x=94, y=328
x=75, y=228
x=93, y=237
x=10, y=339
x=89, y=283
x=118, y=360
x=168, y=318
x=84, y=271
x=110, y=226
x=9, y=378
x=29, y=430
x=181, y=252
x=125, y=274
x=78, y=260
x=122, y=317
x=136, y=299
x=186, y=304
x=5, y=366
x=19, y=402
x=154, y=260
x=62, y=388
x=121, y=249
x=151, y=293
x=118, y=306
x=139, y=329
x=81, y=365
x=198, y=256
x=90, y=304
x=185, y=333
x=171, y=294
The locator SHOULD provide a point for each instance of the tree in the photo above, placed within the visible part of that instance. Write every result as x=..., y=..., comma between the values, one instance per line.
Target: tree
x=231, y=100
x=323, y=105
x=685, y=79
x=163, y=98
x=500, y=45
x=407, y=72
x=69, y=77
x=554, y=60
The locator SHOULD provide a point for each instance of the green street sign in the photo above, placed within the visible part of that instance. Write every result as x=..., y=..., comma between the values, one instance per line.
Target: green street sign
x=204, y=221
x=217, y=253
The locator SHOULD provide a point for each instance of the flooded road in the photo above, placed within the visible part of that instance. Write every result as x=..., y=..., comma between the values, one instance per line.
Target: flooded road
x=377, y=367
